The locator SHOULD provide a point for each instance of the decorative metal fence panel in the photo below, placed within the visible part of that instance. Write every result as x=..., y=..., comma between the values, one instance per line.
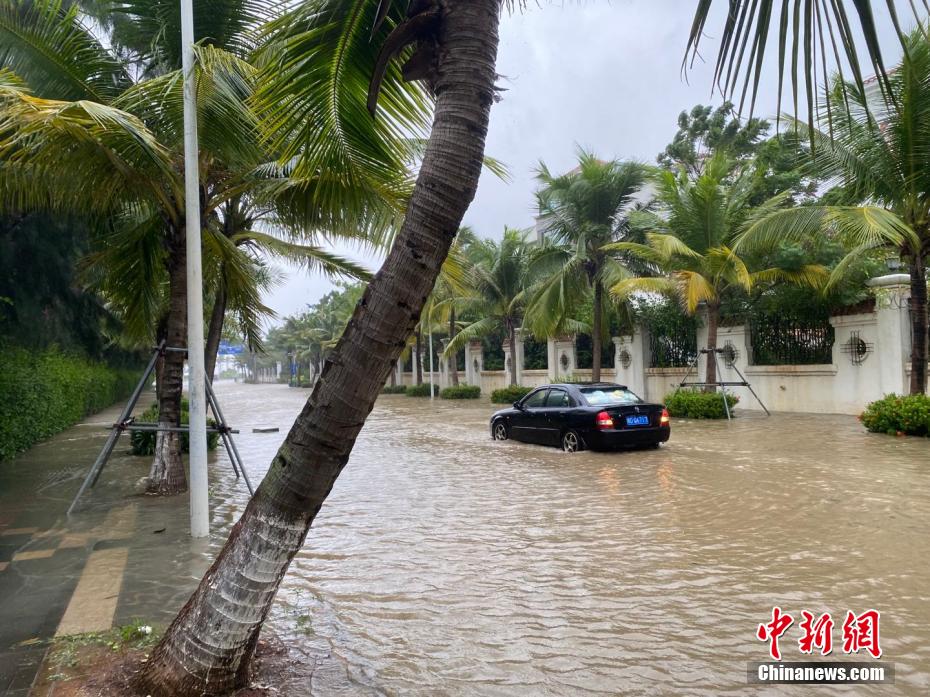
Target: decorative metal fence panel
x=675, y=347
x=535, y=354
x=584, y=353
x=776, y=340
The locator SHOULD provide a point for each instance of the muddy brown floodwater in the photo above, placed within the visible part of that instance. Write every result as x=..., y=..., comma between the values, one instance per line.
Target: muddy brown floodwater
x=445, y=563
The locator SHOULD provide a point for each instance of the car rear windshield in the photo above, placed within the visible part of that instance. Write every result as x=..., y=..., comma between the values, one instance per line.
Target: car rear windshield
x=607, y=396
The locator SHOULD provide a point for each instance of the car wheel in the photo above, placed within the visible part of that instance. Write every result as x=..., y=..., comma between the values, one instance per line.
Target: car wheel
x=571, y=442
x=500, y=431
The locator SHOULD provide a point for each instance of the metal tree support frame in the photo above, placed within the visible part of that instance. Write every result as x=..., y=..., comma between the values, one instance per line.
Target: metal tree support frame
x=725, y=384
x=126, y=422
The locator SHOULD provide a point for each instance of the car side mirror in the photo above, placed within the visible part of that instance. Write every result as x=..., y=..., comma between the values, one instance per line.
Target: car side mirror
x=518, y=405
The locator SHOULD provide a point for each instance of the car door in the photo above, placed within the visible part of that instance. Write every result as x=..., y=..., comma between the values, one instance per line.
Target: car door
x=525, y=423
x=556, y=416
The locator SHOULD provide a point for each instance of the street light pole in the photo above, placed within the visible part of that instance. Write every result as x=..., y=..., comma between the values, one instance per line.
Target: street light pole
x=200, y=503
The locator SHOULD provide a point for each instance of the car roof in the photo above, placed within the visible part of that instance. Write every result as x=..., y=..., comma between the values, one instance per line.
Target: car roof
x=612, y=385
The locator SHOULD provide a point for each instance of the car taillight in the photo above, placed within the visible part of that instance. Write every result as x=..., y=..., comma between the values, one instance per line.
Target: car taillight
x=665, y=418
x=604, y=422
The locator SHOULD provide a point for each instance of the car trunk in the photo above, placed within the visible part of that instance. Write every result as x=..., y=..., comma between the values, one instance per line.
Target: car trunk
x=620, y=414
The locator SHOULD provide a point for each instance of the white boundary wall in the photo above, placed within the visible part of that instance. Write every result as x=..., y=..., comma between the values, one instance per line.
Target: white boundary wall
x=842, y=386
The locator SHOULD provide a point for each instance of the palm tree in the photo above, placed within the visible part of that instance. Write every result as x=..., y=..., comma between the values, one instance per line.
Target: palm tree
x=583, y=212
x=451, y=294
x=209, y=646
x=498, y=293
x=880, y=156
x=691, y=241
x=139, y=202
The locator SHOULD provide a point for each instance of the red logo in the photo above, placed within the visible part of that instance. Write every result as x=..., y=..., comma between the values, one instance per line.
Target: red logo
x=860, y=632
x=817, y=634
x=772, y=631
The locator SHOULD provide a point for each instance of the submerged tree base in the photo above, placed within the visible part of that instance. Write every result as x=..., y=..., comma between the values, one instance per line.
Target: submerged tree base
x=91, y=667
x=167, y=477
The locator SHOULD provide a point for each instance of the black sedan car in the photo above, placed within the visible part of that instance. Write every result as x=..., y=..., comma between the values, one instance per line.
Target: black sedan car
x=600, y=416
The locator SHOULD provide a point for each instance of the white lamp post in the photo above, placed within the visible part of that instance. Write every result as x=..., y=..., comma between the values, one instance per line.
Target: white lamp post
x=200, y=514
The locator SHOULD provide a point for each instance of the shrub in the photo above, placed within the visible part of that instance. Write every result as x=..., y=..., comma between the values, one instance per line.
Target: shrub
x=893, y=414
x=143, y=442
x=47, y=391
x=509, y=395
x=420, y=390
x=397, y=389
x=461, y=392
x=688, y=404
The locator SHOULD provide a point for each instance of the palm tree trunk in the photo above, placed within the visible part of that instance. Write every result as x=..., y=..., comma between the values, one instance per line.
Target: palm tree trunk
x=207, y=649
x=918, y=325
x=394, y=374
x=215, y=332
x=417, y=361
x=713, y=319
x=454, y=359
x=166, y=476
x=596, y=332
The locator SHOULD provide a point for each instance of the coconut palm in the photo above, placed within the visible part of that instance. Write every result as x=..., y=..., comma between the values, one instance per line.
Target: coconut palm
x=498, y=293
x=452, y=293
x=691, y=242
x=453, y=47
x=583, y=212
x=878, y=155
x=122, y=145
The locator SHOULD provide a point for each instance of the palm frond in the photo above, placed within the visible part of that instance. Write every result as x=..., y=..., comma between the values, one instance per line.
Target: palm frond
x=110, y=155
x=45, y=43
x=800, y=27
x=316, y=64
x=313, y=258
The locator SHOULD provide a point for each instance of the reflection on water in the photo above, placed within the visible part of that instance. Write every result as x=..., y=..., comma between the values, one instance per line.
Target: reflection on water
x=444, y=563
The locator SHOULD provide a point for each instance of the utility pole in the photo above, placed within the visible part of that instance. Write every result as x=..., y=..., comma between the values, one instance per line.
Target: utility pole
x=200, y=502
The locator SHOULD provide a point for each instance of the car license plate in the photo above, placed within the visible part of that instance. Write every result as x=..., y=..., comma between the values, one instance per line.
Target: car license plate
x=637, y=421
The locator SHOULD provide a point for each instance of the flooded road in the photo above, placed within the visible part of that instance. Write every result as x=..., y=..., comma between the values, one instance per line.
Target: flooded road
x=445, y=563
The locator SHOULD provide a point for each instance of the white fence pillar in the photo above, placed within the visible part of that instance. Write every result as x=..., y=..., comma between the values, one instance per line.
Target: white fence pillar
x=474, y=363
x=518, y=344
x=893, y=344
x=562, y=361
x=630, y=361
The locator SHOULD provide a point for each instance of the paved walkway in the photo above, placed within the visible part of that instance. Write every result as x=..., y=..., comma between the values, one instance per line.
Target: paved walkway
x=121, y=557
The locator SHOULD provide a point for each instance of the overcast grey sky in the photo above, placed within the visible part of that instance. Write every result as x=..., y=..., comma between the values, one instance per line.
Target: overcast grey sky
x=602, y=75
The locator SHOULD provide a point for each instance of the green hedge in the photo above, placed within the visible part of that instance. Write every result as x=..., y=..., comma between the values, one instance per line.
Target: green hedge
x=420, y=390
x=461, y=392
x=45, y=392
x=893, y=415
x=397, y=389
x=509, y=395
x=688, y=404
x=143, y=442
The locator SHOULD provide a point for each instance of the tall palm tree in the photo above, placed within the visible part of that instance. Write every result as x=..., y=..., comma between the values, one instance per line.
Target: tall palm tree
x=140, y=201
x=691, y=241
x=209, y=646
x=880, y=156
x=498, y=293
x=583, y=212
x=451, y=294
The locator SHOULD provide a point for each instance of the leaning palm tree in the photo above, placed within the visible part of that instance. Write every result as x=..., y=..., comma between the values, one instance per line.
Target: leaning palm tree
x=582, y=213
x=878, y=155
x=498, y=294
x=691, y=242
x=208, y=648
